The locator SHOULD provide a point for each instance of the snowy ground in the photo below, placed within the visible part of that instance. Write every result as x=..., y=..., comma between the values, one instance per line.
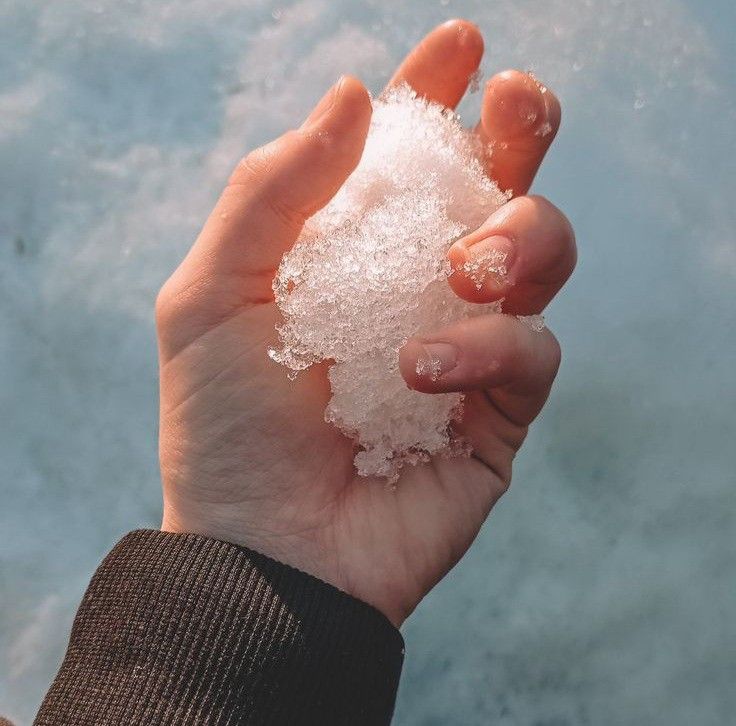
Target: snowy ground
x=602, y=590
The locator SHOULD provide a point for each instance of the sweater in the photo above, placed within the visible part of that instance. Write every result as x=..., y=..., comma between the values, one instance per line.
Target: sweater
x=184, y=629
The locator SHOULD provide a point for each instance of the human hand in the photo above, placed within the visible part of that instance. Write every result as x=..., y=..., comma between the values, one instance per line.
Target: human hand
x=246, y=455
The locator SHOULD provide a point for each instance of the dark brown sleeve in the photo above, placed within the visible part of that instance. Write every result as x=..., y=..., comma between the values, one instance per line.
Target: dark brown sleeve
x=182, y=629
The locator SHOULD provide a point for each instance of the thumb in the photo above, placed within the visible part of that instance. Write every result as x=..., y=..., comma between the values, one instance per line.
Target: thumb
x=271, y=193
x=276, y=188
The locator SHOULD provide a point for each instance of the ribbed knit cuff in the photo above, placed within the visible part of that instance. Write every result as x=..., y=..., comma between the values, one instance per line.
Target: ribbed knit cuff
x=183, y=629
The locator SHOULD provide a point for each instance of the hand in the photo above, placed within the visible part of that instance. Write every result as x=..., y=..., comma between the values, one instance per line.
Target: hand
x=246, y=455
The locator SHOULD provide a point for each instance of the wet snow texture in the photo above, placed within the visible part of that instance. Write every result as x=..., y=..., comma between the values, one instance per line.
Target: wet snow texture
x=370, y=271
x=600, y=592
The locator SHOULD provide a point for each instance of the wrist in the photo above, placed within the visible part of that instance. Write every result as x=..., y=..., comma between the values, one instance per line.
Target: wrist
x=298, y=551
x=302, y=552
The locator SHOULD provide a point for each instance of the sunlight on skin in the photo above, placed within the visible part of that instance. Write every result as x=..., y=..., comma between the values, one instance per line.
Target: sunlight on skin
x=246, y=455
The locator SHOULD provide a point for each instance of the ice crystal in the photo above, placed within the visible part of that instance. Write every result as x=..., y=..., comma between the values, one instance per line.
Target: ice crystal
x=370, y=270
x=489, y=264
x=533, y=322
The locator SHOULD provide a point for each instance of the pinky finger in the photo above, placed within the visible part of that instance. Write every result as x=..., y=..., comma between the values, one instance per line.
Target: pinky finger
x=498, y=354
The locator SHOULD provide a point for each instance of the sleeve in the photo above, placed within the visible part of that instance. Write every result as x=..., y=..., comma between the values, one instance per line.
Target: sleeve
x=183, y=629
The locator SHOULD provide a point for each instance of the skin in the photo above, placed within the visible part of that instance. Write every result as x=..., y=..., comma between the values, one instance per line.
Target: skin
x=246, y=455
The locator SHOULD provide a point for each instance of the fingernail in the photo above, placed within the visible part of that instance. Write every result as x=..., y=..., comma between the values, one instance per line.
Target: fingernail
x=528, y=112
x=489, y=261
x=518, y=107
x=436, y=360
x=530, y=105
x=324, y=105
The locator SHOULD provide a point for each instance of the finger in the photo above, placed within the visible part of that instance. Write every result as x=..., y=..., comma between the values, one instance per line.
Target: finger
x=519, y=120
x=524, y=252
x=495, y=353
x=276, y=188
x=440, y=67
x=260, y=215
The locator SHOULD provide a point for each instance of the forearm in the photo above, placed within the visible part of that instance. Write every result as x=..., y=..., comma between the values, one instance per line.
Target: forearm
x=184, y=629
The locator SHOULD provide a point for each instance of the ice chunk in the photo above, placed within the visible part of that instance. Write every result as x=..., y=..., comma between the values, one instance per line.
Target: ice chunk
x=370, y=270
x=474, y=81
x=533, y=322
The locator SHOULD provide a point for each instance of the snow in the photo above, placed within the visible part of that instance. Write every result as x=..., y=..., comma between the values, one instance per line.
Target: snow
x=370, y=271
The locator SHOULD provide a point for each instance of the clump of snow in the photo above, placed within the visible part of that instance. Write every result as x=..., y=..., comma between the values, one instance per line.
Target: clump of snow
x=533, y=322
x=474, y=80
x=370, y=271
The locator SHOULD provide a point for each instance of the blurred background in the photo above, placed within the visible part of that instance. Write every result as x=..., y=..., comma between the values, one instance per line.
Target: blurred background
x=603, y=589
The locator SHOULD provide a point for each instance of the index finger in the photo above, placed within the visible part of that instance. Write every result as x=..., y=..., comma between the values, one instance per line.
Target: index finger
x=441, y=66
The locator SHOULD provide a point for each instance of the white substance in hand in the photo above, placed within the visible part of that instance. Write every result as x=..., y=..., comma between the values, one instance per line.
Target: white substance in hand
x=491, y=263
x=431, y=367
x=533, y=322
x=370, y=270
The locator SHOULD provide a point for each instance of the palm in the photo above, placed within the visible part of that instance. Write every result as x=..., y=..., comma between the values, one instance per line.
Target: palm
x=287, y=478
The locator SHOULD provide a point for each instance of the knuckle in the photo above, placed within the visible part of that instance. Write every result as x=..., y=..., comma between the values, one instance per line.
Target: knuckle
x=550, y=360
x=258, y=165
x=544, y=207
x=555, y=355
x=165, y=307
x=504, y=482
x=176, y=303
x=253, y=167
x=554, y=214
x=264, y=174
x=560, y=231
x=523, y=208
